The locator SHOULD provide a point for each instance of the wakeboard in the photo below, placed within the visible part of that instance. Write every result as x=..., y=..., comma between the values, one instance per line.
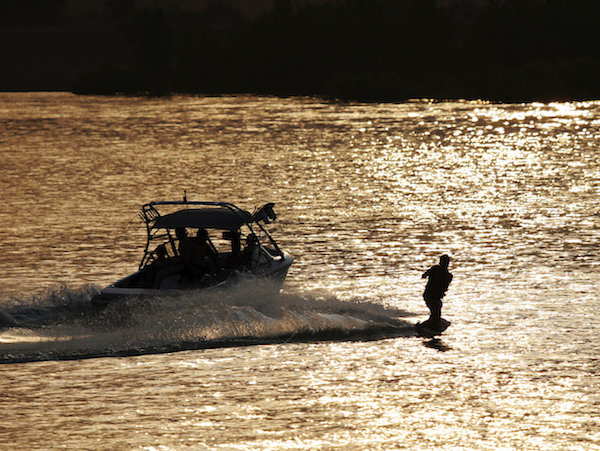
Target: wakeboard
x=427, y=330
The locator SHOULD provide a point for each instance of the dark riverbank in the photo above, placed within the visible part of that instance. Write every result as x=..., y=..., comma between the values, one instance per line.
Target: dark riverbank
x=366, y=50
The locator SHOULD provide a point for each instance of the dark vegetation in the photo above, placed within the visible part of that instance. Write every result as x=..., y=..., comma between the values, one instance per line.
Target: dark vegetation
x=31, y=12
x=369, y=50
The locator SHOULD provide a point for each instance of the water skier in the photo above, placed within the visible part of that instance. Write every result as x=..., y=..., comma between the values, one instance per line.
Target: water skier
x=437, y=285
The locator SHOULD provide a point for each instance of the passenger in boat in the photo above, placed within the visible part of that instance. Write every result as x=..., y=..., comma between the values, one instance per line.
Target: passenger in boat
x=235, y=260
x=204, y=257
x=160, y=265
x=435, y=290
x=188, y=273
x=198, y=257
x=185, y=246
x=248, y=253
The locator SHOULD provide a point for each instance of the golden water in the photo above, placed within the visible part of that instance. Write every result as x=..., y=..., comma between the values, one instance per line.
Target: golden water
x=368, y=197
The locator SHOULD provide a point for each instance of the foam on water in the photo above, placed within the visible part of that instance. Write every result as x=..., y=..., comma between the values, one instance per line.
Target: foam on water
x=63, y=324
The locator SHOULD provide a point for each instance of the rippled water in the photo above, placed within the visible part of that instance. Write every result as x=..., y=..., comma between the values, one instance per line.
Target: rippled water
x=368, y=197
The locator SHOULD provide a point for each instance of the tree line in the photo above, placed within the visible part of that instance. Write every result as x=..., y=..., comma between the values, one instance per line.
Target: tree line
x=364, y=50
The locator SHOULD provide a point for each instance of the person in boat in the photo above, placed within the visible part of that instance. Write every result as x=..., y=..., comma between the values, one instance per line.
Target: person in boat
x=160, y=265
x=235, y=260
x=248, y=252
x=435, y=290
x=204, y=258
x=185, y=249
x=198, y=257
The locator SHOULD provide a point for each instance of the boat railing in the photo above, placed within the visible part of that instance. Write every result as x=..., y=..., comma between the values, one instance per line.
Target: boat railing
x=148, y=213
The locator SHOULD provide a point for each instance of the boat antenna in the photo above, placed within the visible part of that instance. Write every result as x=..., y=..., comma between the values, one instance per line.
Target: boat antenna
x=185, y=196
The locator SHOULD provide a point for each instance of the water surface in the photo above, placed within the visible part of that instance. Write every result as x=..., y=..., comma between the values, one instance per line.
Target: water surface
x=368, y=197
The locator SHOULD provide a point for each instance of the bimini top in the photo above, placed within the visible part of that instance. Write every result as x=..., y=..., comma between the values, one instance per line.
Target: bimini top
x=204, y=218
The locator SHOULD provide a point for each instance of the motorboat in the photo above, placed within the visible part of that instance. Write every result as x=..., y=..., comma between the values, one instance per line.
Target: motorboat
x=197, y=245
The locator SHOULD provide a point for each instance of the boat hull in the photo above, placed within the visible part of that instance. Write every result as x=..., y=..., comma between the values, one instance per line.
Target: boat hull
x=274, y=274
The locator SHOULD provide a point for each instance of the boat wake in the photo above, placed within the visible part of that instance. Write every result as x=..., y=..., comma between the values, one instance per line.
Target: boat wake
x=63, y=324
